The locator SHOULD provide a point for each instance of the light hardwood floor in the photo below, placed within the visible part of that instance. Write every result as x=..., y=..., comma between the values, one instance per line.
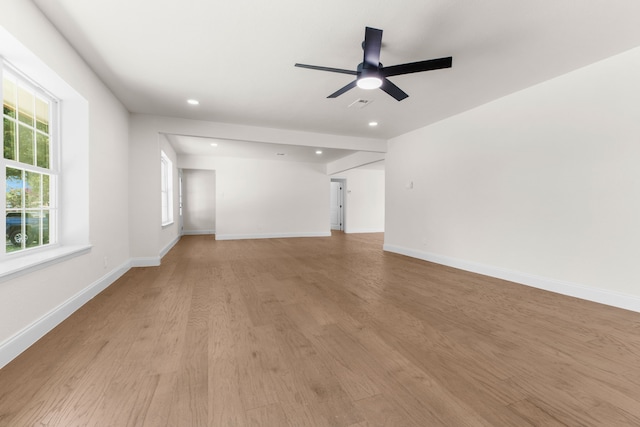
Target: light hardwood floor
x=325, y=332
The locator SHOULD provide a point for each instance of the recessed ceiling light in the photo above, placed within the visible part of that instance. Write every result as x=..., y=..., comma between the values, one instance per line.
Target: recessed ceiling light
x=193, y=101
x=213, y=144
x=318, y=151
x=373, y=123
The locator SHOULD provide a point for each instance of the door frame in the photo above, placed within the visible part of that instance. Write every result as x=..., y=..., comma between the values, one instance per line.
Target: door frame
x=342, y=200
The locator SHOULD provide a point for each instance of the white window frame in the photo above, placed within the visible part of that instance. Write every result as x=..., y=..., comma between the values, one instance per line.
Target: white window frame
x=166, y=189
x=53, y=171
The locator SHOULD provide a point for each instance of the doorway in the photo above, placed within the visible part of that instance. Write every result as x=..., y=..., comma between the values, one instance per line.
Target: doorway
x=199, y=201
x=336, y=215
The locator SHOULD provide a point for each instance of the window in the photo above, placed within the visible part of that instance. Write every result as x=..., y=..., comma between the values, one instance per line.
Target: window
x=166, y=176
x=28, y=170
x=46, y=200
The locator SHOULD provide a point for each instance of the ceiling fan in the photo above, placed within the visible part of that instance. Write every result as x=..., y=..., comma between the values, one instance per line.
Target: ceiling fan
x=370, y=74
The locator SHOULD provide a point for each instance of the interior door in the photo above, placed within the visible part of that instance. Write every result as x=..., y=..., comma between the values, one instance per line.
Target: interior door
x=181, y=222
x=337, y=206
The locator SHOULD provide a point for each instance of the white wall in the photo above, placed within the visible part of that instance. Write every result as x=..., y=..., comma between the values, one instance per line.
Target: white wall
x=364, y=200
x=198, y=201
x=265, y=198
x=541, y=187
x=33, y=303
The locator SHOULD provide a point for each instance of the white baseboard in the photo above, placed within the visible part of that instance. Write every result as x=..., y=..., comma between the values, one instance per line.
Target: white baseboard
x=154, y=261
x=197, y=232
x=167, y=248
x=145, y=261
x=602, y=296
x=271, y=235
x=18, y=343
x=364, y=230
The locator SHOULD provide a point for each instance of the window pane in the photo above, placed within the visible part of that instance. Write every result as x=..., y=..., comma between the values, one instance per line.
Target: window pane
x=14, y=188
x=9, y=95
x=33, y=225
x=43, y=150
x=33, y=190
x=15, y=230
x=42, y=115
x=25, y=106
x=9, y=139
x=25, y=145
x=45, y=226
x=166, y=188
x=45, y=191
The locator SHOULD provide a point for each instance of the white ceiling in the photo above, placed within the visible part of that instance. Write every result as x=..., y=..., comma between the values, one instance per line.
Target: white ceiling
x=237, y=57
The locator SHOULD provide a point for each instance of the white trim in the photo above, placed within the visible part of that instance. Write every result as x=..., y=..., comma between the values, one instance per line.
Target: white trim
x=271, y=235
x=364, y=230
x=145, y=262
x=12, y=347
x=167, y=248
x=154, y=261
x=197, y=232
x=602, y=296
x=18, y=266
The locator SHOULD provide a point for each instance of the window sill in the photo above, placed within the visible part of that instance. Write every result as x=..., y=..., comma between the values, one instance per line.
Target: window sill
x=12, y=268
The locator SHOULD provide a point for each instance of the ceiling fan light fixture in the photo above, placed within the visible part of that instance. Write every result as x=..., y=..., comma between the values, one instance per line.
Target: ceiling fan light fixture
x=369, y=83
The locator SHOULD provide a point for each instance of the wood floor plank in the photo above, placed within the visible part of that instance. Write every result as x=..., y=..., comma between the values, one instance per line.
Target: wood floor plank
x=328, y=331
x=535, y=415
x=348, y=361
x=252, y=356
x=380, y=412
x=160, y=404
x=190, y=403
x=225, y=404
x=270, y=415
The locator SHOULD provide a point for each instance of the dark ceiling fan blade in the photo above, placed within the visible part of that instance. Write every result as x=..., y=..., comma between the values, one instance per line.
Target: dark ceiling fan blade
x=372, y=46
x=343, y=90
x=393, y=90
x=333, y=70
x=415, y=67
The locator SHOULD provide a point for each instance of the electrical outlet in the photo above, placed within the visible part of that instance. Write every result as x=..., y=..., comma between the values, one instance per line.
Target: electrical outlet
x=106, y=262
